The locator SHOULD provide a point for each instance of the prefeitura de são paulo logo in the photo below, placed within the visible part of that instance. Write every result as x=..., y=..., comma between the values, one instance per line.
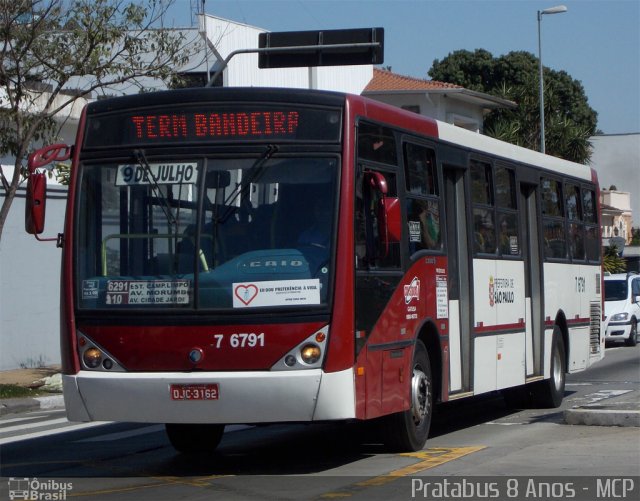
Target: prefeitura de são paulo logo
x=42, y=490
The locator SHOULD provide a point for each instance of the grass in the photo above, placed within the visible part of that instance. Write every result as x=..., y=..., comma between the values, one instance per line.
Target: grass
x=15, y=391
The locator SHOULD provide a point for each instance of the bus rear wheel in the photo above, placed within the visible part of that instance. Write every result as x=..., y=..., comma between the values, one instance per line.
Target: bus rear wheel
x=550, y=392
x=408, y=430
x=194, y=438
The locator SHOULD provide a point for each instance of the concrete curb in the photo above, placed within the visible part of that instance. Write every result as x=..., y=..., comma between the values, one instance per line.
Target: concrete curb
x=598, y=416
x=17, y=405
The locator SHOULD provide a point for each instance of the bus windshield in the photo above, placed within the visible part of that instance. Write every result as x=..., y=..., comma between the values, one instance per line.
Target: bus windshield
x=206, y=233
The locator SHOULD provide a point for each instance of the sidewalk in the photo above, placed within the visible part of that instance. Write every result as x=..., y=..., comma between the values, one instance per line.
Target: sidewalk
x=622, y=410
x=45, y=381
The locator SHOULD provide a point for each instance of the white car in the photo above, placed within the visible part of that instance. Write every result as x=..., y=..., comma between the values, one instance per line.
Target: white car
x=622, y=307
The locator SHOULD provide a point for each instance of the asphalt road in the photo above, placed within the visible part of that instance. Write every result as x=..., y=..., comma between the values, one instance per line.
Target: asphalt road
x=480, y=441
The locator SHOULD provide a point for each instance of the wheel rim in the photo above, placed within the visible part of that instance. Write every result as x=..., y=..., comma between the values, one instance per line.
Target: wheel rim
x=557, y=371
x=419, y=395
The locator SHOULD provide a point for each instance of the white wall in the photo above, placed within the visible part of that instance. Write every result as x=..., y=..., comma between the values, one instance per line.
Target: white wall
x=616, y=159
x=30, y=287
x=438, y=106
x=243, y=70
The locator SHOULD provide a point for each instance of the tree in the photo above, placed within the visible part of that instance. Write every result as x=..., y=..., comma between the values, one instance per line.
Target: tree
x=569, y=120
x=612, y=261
x=48, y=46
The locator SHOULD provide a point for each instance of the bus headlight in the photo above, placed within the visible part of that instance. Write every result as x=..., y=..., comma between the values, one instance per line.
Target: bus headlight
x=310, y=353
x=92, y=358
x=95, y=357
x=307, y=354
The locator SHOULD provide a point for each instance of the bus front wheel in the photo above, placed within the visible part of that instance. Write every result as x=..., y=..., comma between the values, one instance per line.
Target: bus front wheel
x=194, y=438
x=408, y=430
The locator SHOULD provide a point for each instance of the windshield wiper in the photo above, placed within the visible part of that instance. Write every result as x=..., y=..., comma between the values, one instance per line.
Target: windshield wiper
x=243, y=189
x=155, y=188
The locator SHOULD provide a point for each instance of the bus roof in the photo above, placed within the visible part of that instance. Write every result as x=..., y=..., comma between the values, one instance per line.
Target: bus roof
x=473, y=141
x=375, y=110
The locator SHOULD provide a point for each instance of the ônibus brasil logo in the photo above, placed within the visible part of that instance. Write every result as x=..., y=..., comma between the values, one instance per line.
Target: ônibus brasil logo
x=34, y=489
x=412, y=291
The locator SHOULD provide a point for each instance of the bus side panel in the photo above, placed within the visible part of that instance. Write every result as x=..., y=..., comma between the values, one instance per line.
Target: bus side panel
x=455, y=350
x=69, y=356
x=419, y=298
x=569, y=292
x=341, y=347
x=499, y=323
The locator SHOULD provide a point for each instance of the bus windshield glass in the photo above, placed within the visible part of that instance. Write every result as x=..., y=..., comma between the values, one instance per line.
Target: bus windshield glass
x=206, y=233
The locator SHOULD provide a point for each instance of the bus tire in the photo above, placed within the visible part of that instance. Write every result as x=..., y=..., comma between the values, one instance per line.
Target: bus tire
x=550, y=392
x=194, y=438
x=408, y=430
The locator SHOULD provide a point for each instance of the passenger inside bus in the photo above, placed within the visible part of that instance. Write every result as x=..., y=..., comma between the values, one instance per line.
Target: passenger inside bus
x=424, y=224
x=484, y=233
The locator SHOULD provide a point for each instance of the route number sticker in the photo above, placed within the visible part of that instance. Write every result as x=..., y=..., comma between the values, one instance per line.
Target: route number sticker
x=144, y=292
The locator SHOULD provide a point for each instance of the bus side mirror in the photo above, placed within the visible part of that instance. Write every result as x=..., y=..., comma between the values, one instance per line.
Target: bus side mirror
x=35, y=204
x=388, y=223
x=391, y=207
x=388, y=212
x=48, y=154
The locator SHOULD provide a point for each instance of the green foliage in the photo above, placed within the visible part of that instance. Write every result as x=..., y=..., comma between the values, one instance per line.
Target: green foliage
x=55, y=52
x=612, y=261
x=16, y=391
x=569, y=120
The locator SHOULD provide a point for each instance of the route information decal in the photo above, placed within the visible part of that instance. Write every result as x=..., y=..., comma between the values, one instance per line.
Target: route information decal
x=276, y=293
x=144, y=292
x=178, y=173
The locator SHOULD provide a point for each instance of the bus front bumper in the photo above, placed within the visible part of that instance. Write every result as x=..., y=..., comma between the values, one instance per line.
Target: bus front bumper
x=242, y=397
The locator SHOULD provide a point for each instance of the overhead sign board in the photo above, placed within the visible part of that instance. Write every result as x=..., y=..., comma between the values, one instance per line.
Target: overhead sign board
x=288, y=49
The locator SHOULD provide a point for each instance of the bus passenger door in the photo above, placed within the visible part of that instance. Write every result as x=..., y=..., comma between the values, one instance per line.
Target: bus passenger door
x=533, y=279
x=460, y=281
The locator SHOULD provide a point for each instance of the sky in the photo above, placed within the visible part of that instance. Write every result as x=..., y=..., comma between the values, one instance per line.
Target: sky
x=597, y=42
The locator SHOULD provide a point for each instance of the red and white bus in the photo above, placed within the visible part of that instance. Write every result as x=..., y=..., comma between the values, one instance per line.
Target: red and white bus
x=278, y=255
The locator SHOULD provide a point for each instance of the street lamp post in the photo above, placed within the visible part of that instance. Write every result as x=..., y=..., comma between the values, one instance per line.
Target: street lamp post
x=552, y=10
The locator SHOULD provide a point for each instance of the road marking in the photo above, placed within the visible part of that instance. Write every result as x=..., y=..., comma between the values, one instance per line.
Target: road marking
x=31, y=426
x=429, y=458
x=161, y=482
x=20, y=419
x=46, y=433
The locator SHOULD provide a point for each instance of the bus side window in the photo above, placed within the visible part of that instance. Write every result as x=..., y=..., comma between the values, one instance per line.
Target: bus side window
x=576, y=228
x=423, y=203
x=555, y=243
x=371, y=251
x=508, y=230
x=484, y=241
x=484, y=227
x=592, y=230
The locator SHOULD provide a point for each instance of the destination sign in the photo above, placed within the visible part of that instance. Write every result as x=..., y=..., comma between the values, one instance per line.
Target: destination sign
x=240, y=123
x=161, y=173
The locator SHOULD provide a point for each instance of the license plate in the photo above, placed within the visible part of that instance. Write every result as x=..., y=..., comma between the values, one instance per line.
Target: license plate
x=194, y=391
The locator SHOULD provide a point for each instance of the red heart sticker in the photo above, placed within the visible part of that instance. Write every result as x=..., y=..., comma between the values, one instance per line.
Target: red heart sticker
x=246, y=293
